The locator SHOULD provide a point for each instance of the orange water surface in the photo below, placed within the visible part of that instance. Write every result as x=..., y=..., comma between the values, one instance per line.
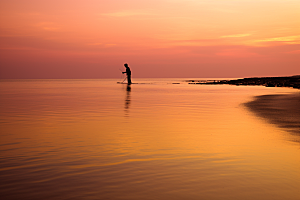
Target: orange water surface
x=95, y=139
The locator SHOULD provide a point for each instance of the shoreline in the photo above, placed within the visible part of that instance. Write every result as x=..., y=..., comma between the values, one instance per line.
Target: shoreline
x=282, y=110
x=286, y=81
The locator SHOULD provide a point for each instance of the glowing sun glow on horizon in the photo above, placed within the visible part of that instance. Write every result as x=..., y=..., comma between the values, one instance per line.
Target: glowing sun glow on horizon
x=165, y=38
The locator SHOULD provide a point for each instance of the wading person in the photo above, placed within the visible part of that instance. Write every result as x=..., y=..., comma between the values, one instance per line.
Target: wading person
x=128, y=73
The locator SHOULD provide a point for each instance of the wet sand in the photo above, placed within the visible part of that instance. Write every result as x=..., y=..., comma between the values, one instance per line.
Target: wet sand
x=282, y=110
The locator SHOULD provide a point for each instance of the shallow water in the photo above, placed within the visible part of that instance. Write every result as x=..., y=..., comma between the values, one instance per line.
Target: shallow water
x=95, y=139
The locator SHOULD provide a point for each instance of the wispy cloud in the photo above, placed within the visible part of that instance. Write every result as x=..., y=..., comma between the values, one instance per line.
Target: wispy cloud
x=128, y=13
x=237, y=52
x=294, y=52
x=48, y=26
x=293, y=39
x=110, y=45
x=95, y=44
x=236, y=35
x=101, y=45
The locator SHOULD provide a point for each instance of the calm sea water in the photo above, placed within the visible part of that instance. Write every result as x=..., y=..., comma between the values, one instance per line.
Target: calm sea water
x=95, y=139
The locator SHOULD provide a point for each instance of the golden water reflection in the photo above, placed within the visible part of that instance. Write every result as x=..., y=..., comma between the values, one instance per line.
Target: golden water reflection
x=70, y=139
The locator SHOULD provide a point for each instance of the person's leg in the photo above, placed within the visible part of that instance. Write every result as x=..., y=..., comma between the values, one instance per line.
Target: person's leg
x=129, y=79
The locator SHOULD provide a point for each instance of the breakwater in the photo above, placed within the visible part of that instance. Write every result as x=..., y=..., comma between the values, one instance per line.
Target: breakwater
x=289, y=81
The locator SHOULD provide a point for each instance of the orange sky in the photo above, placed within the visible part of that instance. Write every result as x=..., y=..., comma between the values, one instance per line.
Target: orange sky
x=158, y=38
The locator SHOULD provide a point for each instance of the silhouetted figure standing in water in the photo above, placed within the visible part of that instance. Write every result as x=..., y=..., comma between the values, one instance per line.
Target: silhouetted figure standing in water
x=128, y=73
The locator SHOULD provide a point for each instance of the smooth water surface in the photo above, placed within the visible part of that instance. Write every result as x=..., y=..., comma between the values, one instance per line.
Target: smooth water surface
x=95, y=139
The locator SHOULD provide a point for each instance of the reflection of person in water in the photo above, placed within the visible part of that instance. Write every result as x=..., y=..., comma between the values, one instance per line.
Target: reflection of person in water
x=127, y=100
x=128, y=73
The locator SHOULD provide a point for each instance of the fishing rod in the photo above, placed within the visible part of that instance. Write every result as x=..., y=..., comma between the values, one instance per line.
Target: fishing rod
x=122, y=76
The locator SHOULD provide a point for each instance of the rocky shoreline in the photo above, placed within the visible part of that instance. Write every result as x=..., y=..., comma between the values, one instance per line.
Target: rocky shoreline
x=289, y=81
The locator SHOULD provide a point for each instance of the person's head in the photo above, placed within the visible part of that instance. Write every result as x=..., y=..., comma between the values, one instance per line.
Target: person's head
x=126, y=65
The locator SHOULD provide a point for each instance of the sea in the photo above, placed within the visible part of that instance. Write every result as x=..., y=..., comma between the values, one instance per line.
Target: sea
x=155, y=139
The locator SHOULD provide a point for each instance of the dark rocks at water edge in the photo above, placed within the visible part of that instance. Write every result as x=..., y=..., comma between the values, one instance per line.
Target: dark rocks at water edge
x=289, y=81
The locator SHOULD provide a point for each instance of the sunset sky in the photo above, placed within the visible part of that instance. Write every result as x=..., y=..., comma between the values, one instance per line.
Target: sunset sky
x=157, y=38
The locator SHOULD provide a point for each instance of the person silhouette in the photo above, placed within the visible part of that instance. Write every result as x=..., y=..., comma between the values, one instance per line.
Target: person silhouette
x=128, y=73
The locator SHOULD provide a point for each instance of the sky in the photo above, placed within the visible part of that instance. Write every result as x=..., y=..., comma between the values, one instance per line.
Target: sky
x=157, y=38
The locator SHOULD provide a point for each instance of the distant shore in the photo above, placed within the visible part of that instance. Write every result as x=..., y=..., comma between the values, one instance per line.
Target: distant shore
x=288, y=81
